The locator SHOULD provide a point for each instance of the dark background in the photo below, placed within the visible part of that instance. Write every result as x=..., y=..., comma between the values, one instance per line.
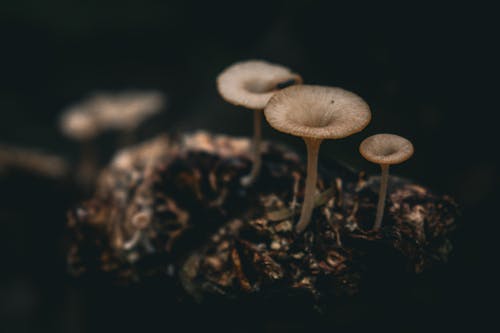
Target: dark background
x=426, y=71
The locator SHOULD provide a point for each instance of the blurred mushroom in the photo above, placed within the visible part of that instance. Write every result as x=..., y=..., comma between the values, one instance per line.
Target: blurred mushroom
x=385, y=149
x=127, y=110
x=251, y=84
x=81, y=126
x=316, y=113
x=33, y=161
x=102, y=111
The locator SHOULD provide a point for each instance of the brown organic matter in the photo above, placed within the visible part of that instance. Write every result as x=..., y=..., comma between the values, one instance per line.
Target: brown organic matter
x=173, y=208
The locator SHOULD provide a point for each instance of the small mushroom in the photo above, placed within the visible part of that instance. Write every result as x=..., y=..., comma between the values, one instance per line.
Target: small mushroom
x=385, y=149
x=82, y=126
x=316, y=113
x=34, y=161
x=103, y=111
x=125, y=111
x=251, y=84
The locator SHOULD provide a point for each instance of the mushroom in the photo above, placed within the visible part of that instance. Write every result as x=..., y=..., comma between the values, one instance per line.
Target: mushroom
x=123, y=111
x=103, y=111
x=34, y=161
x=385, y=149
x=251, y=84
x=81, y=126
x=316, y=113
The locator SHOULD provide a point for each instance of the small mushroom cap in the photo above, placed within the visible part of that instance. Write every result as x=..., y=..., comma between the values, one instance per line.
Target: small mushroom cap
x=126, y=110
x=78, y=125
x=252, y=83
x=103, y=111
x=386, y=149
x=317, y=112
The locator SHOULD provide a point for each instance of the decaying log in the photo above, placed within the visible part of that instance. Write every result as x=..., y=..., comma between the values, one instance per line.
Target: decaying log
x=174, y=208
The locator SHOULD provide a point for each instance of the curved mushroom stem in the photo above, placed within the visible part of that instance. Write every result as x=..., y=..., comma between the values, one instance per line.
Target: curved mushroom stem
x=311, y=178
x=381, y=196
x=257, y=138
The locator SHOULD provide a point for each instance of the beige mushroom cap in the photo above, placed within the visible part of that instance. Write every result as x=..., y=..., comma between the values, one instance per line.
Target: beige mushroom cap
x=252, y=83
x=386, y=149
x=103, y=111
x=317, y=112
x=78, y=125
x=125, y=110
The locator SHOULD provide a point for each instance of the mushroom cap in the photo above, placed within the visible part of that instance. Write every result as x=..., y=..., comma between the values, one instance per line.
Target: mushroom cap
x=317, y=112
x=126, y=110
x=252, y=83
x=78, y=125
x=103, y=111
x=386, y=149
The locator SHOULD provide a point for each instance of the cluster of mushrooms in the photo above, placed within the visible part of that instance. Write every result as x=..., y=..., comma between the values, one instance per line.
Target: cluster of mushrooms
x=122, y=112
x=313, y=113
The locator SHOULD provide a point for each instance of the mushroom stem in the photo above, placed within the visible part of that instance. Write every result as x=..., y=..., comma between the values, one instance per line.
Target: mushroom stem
x=384, y=178
x=311, y=178
x=257, y=138
x=87, y=169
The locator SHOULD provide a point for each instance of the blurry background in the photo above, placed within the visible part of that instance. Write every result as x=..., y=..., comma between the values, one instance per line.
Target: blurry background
x=424, y=70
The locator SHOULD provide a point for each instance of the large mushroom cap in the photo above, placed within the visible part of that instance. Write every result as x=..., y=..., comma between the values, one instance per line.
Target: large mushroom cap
x=317, y=112
x=252, y=83
x=386, y=149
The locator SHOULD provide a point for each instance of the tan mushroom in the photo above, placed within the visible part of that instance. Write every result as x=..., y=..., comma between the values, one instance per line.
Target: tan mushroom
x=385, y=149
x=316, y=113
x=34, y=161
x=126, y=110
x=103, y=111
x=80, y=126
x=251, y=84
